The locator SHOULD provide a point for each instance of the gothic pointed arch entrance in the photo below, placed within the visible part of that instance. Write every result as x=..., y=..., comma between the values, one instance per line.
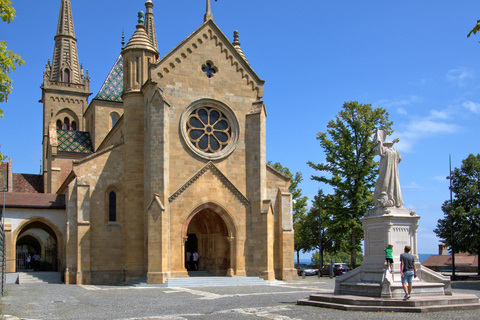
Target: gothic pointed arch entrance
x=210, y=231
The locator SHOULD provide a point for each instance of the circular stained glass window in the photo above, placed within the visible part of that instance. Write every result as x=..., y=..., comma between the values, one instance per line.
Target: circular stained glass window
x=210, y=129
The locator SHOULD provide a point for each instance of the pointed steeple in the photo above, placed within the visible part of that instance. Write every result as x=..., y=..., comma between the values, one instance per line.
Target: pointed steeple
x=150, y=23
x=65, y=66
x=208, y=15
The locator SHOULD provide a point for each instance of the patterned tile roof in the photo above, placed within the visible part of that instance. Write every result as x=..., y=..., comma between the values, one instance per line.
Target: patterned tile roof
x=112, y=88
x=74, y=141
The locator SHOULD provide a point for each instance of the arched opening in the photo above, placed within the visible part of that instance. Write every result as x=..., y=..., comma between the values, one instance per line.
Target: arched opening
x=74, y=126
x=59, y=124
x=209, y=233
x=113, y=119
x=112, y=206
x=36, y=248
x=66, y=75
x=66, y=124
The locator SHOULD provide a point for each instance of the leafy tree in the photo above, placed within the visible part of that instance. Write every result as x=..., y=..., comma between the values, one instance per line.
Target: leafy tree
x=351, y=169
x=8, y=59
x=316, y=234
x=464, y=210
x=299, y=206
x=475, y=29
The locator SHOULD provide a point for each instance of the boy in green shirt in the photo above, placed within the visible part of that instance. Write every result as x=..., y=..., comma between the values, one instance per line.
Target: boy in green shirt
x=389, y=256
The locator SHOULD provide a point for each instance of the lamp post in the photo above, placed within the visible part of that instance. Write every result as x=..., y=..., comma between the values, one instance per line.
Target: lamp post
x=320, y=255
x=2, y=222
x=451, y=220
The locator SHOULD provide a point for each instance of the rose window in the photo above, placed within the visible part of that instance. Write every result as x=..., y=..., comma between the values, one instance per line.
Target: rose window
x=208, y=129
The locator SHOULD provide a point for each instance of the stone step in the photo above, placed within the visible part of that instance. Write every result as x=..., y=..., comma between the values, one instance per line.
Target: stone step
x=420, y=288
x=415, y=304
x=198, y=281
x=215, y=281
x=39, y=277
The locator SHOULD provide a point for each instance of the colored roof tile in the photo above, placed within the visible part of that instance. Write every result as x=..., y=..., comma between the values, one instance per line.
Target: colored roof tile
x=112, y=88
x=74, y=141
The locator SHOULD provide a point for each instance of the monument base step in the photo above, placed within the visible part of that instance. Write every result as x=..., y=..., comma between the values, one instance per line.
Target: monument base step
x=414, y=304
x=374, y=289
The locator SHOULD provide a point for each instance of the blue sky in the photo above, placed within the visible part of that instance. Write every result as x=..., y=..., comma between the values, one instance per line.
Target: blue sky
x=411, y=57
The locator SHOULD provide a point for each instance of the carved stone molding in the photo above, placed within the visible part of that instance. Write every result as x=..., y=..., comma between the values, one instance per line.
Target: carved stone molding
x=210, y=166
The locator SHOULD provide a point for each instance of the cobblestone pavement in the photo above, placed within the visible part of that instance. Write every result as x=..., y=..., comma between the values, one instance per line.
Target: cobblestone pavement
x=277, y=301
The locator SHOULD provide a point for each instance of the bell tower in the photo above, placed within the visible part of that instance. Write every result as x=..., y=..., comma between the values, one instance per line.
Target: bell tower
x=65, y=89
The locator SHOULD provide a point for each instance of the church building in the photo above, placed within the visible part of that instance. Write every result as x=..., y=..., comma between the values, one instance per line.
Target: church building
x=167, y=159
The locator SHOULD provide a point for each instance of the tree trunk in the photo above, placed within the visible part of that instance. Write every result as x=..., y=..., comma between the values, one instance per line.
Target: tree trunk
x=298, y=256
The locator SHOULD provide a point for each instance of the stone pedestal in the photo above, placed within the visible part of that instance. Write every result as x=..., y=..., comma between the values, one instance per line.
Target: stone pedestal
x=383, y=226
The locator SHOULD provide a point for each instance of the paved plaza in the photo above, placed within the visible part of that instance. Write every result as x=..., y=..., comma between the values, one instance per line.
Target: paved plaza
x=274, y=301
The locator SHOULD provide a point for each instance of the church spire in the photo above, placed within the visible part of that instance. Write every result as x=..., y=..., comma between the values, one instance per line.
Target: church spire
x=208, y=15
x=65, y=66
x=150, y=23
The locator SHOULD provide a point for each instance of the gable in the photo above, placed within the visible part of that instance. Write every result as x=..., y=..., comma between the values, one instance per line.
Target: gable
x=208, y=38
x=210, y=168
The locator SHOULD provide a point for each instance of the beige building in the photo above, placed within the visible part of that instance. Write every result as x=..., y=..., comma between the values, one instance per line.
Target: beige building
x=168, y=158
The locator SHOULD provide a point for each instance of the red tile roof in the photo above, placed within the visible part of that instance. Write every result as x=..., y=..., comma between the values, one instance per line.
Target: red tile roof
x=3, y=174
x=33, y=200
x=466, y=259
x=27, y=183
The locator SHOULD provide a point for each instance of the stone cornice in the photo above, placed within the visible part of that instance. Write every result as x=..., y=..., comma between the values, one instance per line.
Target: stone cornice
x=213, y=168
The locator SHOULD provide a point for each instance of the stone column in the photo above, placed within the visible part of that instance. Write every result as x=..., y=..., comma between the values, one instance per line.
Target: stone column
x=71, y=235
x=156, y=164
x=231, y=243
x=259, y=225
x=185, y=239
x=83, y=238
x=10, y=248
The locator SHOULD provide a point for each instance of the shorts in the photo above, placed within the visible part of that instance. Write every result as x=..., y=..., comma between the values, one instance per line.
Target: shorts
x=407, y=276
x=389, y=260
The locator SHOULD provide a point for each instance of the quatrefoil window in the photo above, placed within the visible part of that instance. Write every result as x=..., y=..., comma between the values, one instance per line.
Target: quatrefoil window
x=209, y=69
x=208, y=129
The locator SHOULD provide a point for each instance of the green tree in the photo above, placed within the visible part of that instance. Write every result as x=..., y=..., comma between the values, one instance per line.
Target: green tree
x=299, y=206
x=464, y=210
x=475, y=29
x=351, y=169
x=315, y=230
x=8, y=59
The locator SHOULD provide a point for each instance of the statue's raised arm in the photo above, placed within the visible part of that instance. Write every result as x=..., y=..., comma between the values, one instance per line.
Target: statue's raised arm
x=387, y=189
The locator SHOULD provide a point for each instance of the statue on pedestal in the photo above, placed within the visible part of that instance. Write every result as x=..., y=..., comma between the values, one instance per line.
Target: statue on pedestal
x=387, y=189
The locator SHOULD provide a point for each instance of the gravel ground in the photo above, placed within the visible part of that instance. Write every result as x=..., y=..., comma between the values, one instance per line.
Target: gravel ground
x=54, y=301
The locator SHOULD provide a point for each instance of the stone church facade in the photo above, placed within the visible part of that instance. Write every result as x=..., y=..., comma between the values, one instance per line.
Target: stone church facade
x=168, y=158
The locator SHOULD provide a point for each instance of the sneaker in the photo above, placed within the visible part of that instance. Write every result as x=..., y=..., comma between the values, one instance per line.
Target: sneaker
x=406, y=296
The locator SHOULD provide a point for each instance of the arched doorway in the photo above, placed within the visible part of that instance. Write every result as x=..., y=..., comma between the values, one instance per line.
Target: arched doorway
x=209, y=231
x=37, y=240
